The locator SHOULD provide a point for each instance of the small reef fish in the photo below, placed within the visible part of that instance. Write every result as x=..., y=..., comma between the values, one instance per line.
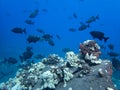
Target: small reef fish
x=113, y=54
x=44, y=10
x=99, y=35
x=74, y=15
x=27, y=54
x=51, y=42
x=34, y=13
x=116, y=63
x=30, y=22
x=66, y=50
x=39, y=56
x=33, y=39
x=92, y=19
x=10, y=60
x=111, y=46
x=83, y=26
x=72, y=29
x=40, y=31
x=58, y=37
x=47, y=37
x=19, y=30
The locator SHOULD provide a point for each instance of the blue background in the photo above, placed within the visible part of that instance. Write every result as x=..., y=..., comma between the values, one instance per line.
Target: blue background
x=57, y=20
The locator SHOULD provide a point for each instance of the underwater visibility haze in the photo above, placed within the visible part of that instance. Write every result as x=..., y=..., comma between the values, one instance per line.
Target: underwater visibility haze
x=34, y=31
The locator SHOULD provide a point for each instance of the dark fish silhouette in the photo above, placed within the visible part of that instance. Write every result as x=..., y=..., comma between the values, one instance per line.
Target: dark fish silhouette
x=19, y=30
x=74, y=15
x=92, y=19
x=83, y=26
x=72, y=29
x=34, y=13
x=58, y=37
x=66, y=50
x=116, y=63
x=39, y=56
x=111, y=46
x=40, y=31
x=102, y=46
x=113, y=54
x=9, y=60
x=47, y=37
x=33, y=39
x=27, y=54
x=51, y=42
x=30, y=22
x=99, y=35
x=44, y=10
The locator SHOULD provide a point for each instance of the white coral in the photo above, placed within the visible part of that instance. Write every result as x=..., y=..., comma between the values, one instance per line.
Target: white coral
x=67, y=75
x=49, y=80
x=72, y=58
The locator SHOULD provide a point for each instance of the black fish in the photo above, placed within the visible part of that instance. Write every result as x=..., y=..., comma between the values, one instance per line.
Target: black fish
x=99, y=35
x=47, y=37
x=111, y=46
x=30, y=22
x=66, y=50
x=19, y=30
x=9, y=60
x=51, y=42
x=26, y=55
x=40, y=31
x=72, y=29
x=113, y=54
x=116, y=63
x=58, y=37
x=34, y=13
x=92, y=19
x=33, y=39
x=39, y=56
x=44, y=10
x=74, y=15
x=83, y=26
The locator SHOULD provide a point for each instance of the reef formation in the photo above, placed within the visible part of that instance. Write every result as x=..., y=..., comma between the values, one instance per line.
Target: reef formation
x=82, y=71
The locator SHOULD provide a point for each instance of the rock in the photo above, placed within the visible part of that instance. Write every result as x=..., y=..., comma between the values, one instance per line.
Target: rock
x=92, y=81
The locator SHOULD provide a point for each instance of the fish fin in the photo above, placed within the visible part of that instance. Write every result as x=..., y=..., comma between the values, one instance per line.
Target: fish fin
x=105, y=39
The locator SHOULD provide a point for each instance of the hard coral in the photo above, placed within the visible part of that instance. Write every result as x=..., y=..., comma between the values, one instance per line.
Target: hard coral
x=90, y=47
x=90, y=51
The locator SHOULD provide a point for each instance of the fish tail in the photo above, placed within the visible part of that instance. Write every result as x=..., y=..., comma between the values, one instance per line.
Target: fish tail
x=105, y=39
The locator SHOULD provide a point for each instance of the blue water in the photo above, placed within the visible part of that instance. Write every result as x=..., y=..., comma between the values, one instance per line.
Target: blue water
x=57, y=19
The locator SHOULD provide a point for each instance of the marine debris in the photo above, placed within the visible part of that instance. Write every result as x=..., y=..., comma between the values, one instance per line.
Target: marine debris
x=83, y=71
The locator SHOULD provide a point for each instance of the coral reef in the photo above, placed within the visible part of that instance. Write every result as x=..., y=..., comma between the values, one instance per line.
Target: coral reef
x=83, y=71
x=90, y=51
